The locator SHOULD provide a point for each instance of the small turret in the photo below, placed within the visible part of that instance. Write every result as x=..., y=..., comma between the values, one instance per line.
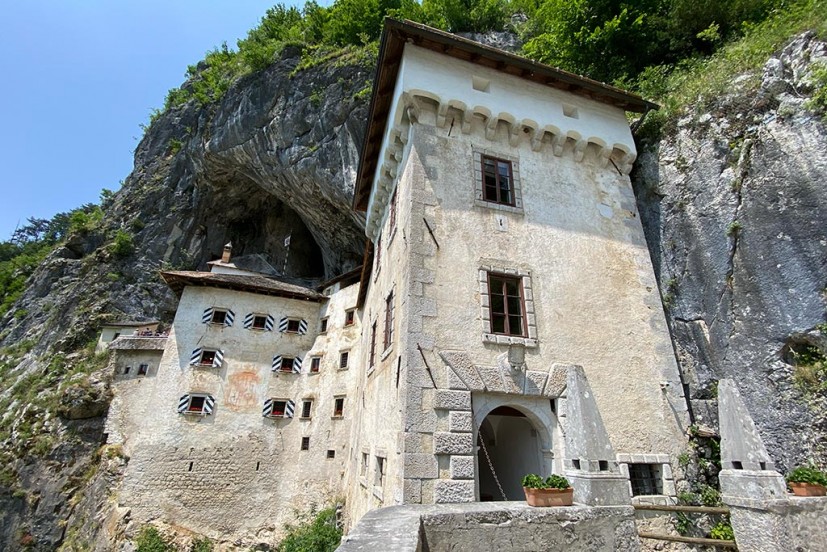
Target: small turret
x=228, y=251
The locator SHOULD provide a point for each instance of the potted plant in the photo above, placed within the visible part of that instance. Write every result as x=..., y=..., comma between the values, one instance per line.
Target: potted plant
x=554, y=490
x=807, y=481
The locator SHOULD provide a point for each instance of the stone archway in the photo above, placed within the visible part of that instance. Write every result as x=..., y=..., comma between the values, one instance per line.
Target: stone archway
x=515, y=448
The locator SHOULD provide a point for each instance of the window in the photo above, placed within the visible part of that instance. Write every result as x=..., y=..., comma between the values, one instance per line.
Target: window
x=143, y=369
x=392, y=214
x=127, y=369
x=286, y=364
x=343, y=358
x=307, y=407
x=388, y=321
x=207, y=358
x=259, y=322
x=218, y=317
x=331, y=453
x=497, y=180
x=363, y=469
x=373, y=344
x=315, y=364
x=506, y=300
x=350, y=317
x=379, y=476
x=645, y=479
x=293, y=325
x=196, y=403
x=305, y=443
x=339, y=407
x=323, y=325
x=278, y=408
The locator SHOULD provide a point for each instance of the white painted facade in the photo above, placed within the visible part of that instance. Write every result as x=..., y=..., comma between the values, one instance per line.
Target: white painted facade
x=234, y=472
x=573, y=238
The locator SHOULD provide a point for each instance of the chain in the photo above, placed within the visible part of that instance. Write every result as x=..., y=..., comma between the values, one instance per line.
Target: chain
x=491, y=464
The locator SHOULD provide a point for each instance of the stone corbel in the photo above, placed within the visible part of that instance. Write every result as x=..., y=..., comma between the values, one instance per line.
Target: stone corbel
x=580, y=149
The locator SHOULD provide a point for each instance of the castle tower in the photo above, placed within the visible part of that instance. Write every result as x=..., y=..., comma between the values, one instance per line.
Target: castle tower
x=505, y=244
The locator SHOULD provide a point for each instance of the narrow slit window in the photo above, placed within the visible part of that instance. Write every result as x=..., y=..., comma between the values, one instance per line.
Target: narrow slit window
x=339, y=407
x=323, y=325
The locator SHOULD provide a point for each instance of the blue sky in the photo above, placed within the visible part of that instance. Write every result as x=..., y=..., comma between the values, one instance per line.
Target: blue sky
x=79, y=77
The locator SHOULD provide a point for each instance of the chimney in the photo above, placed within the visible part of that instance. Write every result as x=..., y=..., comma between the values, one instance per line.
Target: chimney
x=228, y=250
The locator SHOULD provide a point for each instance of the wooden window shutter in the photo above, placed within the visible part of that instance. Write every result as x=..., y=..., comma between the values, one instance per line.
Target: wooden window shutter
x=276, y=365
x=183, y=403
x=248, y=321
x=218, y=359
x=302, y=327
x=195, y=357
x=283, y=324
x=289, y=408
x=269, y=323
x=297, y=365
x=230, y=318
x=268, y=408
x=209, y=404
x=207, y=316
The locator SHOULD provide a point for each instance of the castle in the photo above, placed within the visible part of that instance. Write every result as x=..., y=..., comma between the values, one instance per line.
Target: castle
x=503, y=246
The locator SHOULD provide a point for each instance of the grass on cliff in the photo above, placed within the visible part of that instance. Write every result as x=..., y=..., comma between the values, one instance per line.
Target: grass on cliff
x=698, y=81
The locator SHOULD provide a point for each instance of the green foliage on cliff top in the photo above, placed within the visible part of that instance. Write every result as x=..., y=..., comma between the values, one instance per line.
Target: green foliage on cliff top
x=671, y=51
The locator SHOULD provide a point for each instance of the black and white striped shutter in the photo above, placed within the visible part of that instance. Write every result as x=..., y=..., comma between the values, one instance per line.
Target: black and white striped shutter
x=302, y=327
x=229, y=318
x=268, y=408
x=209, y=404
x=207, y=316
x=297, y=365
x=248, y=321
x=218, y=359
x=269, y=323
x=288, y=409
x=276, y=363
x=283, y=324
x=183, y=403
x=195, y=357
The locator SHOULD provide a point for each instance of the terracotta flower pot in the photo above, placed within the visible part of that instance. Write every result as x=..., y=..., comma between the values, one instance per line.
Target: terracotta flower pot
x=808, y=489
x=549, y=497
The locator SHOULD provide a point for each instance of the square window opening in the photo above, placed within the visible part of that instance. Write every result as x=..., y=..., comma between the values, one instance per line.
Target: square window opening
x=197, y=403
x=323, y=325
x=127, y=370
x=505, y=294
x=305, y=443
x=645, y=479
x=497, y=181
x=219, y=317
x=207, y=358
x=143, y=369
x=315, y=364
x=278, y=409
x=331, y=453
x=259, y=322
x=343, y=360
x=286, y=364
x=293, y=326
x=350, y=317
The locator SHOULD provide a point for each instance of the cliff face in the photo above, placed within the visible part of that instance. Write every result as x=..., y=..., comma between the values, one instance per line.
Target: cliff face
x=733, y=204
x=275, y=158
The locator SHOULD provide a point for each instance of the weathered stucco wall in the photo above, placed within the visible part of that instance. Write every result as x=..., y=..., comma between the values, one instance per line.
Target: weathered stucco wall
x=501, y=526
x=235, y=472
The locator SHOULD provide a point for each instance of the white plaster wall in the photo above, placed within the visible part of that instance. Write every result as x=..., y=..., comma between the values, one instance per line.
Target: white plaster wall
x=427, y=77
x=379, y=429
x=236, y=473
x=133, y=359
x=595, y=295
x=108, y=334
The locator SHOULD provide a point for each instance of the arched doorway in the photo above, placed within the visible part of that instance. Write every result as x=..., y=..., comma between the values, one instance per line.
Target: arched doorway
x=514, y=447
